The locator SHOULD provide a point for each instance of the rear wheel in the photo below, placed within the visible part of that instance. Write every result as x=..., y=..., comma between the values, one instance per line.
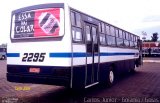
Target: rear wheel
x=3, y=57
x=110, y=77
x=134, y=69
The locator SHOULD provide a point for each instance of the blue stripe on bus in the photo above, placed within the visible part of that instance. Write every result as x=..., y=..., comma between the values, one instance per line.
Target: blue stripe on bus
x=68, y=55
x=13, y=54
x=115, y=54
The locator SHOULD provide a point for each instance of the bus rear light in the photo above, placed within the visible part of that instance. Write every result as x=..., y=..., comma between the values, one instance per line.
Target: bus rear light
x=34, y=70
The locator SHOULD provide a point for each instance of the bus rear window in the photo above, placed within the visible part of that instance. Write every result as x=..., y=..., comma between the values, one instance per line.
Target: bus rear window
x=39, y=23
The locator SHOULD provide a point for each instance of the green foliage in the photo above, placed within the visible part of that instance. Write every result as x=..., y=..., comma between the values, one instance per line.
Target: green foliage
x=154, y=38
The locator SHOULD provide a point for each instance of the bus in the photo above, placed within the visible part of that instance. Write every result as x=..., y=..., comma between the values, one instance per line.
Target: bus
x=56, y=44
x=151, y=49
x=3, y=51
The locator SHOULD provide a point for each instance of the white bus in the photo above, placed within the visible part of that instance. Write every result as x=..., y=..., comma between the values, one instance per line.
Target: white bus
x=59, y=45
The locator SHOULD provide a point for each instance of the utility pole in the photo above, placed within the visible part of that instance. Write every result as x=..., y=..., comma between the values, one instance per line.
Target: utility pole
x=144, y=34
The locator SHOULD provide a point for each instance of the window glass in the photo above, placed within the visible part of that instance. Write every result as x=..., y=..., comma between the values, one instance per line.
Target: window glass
x=112, y=31
x=120, y=34
x=77, y=34
x=76, y=27
x=102, y=39
x=127, y=37
x=73, y=18
x=88, y=34
x=120, y=42
x=124, y=35
x=94, y=33
x=111, y=40
x=126, y=43
x=107, y=30
x=117, y=34
x=78, y=20
x=131, y=37
x=136, y=44
x=103, y=28
x=136, y=38
x=132, y=44
x=99, y=26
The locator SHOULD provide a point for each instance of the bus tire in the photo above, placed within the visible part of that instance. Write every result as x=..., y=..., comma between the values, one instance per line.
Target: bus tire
x=110, y=77
x=134, y=69
x=3, y=57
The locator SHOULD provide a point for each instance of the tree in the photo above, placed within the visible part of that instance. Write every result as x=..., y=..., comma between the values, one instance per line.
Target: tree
x=154, y=38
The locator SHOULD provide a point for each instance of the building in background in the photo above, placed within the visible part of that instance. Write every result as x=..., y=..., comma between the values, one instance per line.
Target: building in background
x=151, y=48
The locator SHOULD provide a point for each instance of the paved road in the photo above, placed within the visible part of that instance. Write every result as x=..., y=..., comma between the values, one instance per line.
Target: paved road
x=143, y=86
x=151, y=59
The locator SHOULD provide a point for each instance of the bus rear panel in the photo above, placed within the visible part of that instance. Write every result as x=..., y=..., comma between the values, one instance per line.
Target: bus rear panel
x=39, y=50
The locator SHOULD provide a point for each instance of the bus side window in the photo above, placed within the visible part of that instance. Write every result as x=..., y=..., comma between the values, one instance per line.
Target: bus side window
x=119, y=38
x=120, y=42
x=102, y=39
x=103, y=28
x=88, y=34
x=77, y=35
x=135, y=42
x=102, y=35
x=112, y=31
x=78, y=20
x=73, y=20
x=94, y=33
x=126, y=40
x=111, y=39
x=132, y=41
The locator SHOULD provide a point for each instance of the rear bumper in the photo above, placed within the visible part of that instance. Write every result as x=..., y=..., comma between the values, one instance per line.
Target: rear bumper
x=38, y=79
x=60, y=76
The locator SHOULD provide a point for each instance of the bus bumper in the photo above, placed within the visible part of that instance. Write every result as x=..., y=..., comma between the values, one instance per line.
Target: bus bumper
x=49, y=75
x=38, y=79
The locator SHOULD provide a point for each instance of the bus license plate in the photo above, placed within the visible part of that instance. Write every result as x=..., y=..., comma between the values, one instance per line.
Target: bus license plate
x=34, y=70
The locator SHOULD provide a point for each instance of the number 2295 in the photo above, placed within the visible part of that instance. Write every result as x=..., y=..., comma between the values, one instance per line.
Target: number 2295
x=35, y=57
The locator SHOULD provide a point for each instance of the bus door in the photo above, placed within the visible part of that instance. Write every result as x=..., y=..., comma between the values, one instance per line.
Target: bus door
x=92, y=50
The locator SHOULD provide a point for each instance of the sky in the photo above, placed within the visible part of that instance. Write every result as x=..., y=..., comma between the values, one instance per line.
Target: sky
x=131, y=15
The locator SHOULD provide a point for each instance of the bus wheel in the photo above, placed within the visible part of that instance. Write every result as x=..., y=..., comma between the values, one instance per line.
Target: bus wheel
x=134, y=69
x=110, y=77
x=3, y=57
